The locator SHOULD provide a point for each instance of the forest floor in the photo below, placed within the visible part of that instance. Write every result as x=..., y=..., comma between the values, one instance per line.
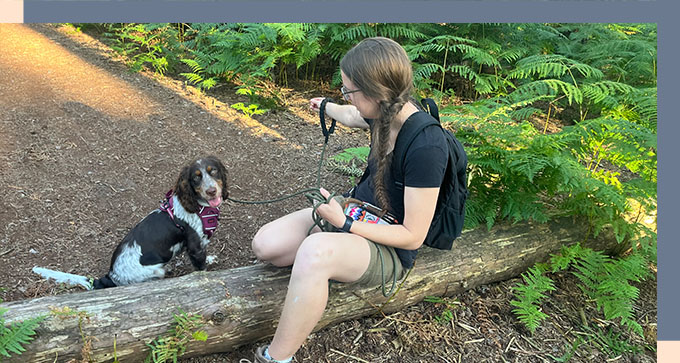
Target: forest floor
x=88, y=148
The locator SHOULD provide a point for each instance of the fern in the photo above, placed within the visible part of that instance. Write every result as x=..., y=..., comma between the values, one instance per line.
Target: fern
x=607, y=282
x=548, y=87
x=169, y=348
x=17, y=334
x=529, y=294
x=604, y=280
x=611, y=343
x=350, y=162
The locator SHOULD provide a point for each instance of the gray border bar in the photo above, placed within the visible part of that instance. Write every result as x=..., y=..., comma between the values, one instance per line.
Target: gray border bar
x=337, y=11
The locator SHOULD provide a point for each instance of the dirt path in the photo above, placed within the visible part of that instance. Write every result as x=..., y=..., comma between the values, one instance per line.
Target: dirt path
x=88, y=148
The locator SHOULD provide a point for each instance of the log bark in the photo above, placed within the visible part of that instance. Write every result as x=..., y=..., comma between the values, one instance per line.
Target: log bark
x=242, y=305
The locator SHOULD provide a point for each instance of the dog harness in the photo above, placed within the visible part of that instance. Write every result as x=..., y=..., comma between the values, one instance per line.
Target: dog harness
x=209, y=215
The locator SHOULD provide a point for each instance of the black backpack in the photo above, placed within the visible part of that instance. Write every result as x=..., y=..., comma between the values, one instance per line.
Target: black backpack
x=449, y=214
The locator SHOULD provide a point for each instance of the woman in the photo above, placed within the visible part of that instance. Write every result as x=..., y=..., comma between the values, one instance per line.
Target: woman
x=377, y=80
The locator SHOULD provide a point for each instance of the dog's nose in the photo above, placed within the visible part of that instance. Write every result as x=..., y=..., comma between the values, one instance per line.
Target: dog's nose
x=211, y=191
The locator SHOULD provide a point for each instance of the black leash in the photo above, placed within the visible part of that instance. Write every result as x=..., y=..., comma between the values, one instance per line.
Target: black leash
x=322, y=117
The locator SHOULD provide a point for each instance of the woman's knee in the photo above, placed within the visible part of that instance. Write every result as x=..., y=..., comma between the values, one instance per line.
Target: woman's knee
x=263, y=244
x=281, y=237
x=315, y=255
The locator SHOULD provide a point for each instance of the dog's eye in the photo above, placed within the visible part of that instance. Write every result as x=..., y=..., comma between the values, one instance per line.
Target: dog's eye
x=213, y=172
x=197, y=176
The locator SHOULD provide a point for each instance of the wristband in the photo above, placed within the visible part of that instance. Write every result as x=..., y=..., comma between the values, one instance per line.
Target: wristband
x=348, y=224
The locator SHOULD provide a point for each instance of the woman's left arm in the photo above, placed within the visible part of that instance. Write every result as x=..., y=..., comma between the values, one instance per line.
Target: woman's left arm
x=419, y=207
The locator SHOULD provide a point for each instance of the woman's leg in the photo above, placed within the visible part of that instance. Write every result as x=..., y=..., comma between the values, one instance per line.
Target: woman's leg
x=277, y=242
x=321, y=256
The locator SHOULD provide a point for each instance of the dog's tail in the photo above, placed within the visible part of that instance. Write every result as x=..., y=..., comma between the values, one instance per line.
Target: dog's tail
x=63, y=277
x=103, y=282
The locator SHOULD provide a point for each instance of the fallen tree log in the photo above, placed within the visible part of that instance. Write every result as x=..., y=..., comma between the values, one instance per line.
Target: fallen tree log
x=242, y=305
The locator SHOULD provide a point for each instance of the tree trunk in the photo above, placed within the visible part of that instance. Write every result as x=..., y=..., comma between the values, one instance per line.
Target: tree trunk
x=242, y=305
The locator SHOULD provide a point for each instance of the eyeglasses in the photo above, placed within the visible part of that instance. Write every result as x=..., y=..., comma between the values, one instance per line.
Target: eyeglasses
x=345, y=92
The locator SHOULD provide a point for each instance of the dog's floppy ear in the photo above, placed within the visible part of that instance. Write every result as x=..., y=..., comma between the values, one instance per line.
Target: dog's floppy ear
x=185, y=193
x=223, y=174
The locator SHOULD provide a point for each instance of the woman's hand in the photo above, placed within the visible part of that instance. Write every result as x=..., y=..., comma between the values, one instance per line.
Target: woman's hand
x=331, y=211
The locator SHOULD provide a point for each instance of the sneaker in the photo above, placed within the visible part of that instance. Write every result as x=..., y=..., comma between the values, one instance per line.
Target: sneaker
x=259, y=355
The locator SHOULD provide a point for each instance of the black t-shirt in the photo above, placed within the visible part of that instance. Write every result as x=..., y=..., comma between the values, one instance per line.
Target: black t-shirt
x=424, y=167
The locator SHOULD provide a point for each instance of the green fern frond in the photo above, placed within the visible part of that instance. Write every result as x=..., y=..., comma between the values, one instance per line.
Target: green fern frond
x=548, y=87
x=598, y=91
x=514, y=54
x=401, y=31
x=295, y=32
x=355, y=32
x=174, y=344
x=464, y=71
x=477, y=55
x=524, y=113
x=193, y=78
x=568, y=256
x=425, y=71
x=17, y=334
x=529, y=295
x=541, y=66
x=607, y=282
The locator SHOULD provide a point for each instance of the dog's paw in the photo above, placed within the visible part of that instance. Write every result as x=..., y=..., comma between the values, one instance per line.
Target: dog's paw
x=211, y=259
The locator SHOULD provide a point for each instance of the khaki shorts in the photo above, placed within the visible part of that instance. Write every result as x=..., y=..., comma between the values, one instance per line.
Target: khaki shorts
x=384, y=262
x=389, y=266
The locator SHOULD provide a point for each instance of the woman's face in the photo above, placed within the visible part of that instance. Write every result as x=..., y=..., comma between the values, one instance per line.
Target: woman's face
x=368, y=108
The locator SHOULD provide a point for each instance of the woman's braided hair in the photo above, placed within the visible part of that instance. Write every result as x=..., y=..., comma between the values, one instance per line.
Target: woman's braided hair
x=381, y=69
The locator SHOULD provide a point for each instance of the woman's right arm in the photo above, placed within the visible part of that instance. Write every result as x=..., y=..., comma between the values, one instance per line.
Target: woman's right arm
x=347, y=115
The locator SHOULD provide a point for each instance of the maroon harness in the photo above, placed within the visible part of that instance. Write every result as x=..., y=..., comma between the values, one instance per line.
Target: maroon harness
x=209, y=215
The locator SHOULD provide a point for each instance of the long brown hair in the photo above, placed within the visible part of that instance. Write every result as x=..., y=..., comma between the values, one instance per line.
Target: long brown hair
x=381, y=69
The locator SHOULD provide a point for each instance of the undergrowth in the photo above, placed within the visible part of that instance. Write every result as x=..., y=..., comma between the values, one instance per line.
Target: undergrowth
x=14, y=336
x=185, y=329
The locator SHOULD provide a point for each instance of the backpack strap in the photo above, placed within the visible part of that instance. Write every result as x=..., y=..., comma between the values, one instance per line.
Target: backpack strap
x=431, y=107
x=409, y=130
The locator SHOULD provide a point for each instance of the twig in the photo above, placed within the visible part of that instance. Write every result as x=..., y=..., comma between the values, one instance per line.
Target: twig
x=6, y=252
x=583, y=316
x=467, y=327
x=349, y=356
x=108, y=185
x=474, y=341
x=530, y=342
x=509, y=344
x=361, y=334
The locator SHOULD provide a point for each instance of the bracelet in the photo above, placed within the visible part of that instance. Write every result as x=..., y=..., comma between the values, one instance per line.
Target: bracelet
x=348, y=224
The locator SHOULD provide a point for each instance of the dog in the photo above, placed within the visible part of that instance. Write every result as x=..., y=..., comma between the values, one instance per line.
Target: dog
x=186, y=220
